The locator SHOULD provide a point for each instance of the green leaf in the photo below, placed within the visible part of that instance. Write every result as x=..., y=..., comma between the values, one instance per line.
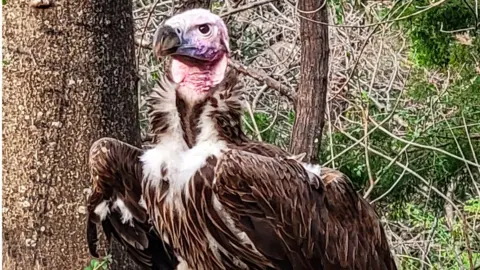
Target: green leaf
x=4, y=2
x=94, y=263
x=472, y=206
x=365, y=96
x=155, y=75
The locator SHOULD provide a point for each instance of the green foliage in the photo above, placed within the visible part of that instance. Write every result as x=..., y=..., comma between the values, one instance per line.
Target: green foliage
x=273, y=129
x=338, y=6
x=102, y=264
x=439, y=108
x=216, y=6
x=263, y=121
x=272, y=132
x=155, y=75
x=435, y=117
x=447, y=247
x=472, y=206
x=249, y=41
x=431, y=36
x=435, y=114
x=291, y=117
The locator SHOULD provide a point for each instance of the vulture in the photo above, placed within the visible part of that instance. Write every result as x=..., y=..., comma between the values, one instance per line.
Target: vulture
x=205, y=196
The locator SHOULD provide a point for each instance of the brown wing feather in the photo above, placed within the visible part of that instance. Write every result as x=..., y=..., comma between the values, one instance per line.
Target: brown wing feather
x=320, y=225
x=354, y=234
x=261, y=148
x=116, y=172
x=354, y=221
x=269, y=199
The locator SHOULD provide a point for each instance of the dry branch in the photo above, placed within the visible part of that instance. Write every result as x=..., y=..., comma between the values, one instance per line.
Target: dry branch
x=262, y=76
x=246, y=7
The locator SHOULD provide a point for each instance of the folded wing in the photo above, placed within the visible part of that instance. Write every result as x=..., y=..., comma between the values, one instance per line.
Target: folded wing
x=117, y=204
x=300, y=219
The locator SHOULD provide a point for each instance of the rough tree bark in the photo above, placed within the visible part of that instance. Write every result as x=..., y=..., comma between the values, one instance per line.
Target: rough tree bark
x=69, y=80
x=312, y=90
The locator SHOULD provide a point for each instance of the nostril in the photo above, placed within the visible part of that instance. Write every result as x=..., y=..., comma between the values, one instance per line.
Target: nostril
x=178, y=31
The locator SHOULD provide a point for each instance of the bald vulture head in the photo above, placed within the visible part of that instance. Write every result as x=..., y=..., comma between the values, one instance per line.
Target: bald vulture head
x=197, y=41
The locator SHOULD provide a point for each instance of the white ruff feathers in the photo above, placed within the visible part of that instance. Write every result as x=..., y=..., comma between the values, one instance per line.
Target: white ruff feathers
x=313, y=168
x=102, y=210
x=173, y=156
x=126, y=214
x=142, y=203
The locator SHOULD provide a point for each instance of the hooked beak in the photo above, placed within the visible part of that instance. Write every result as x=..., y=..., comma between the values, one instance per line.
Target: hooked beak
x=169, y=41
x=166, y=41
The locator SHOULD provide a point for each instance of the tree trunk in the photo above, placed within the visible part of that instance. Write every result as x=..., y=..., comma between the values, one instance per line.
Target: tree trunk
x=69, y=80
x=312, y=90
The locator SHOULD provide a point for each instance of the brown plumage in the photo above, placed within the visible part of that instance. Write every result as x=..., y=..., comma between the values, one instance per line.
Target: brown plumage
x=116, y=174
x=289, y=220
x=219, y=200
x=352, y=237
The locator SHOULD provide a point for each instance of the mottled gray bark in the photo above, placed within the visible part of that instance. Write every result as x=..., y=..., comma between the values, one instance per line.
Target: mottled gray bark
x=312, y=90
x=69, y=79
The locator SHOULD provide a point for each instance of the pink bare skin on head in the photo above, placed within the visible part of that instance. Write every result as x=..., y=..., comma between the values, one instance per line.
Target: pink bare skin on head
x=197, y=79
x=197, y=41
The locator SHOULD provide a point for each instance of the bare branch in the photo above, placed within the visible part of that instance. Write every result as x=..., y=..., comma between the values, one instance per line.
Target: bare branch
x=246, y=7
x=262, y=76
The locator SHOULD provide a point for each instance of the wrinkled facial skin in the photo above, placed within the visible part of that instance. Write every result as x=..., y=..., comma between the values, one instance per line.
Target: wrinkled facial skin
x=197, y=41
x=196, y=34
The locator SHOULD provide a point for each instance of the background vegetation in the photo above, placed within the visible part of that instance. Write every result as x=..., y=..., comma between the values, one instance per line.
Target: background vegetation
x=403, y=111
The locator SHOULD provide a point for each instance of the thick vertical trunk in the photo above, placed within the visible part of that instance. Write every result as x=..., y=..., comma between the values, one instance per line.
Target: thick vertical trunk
x=312, y=91
x=69, y=79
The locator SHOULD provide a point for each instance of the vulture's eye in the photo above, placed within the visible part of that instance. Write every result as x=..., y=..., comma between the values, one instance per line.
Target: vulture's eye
x=204, y=29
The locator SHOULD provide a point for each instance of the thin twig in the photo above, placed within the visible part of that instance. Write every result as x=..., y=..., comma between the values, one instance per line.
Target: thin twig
x=407, y=169
x=365, y=119
x=262, y=76
x=330, y=135
x=384, y=169
x=392, y=186
x=381, y=22
x=246, y=7
x=254, y=122
x=369, y=132
x=469, y=141
x=424, y=146
x=463, y=156
x=275, y=116
x=152, y=9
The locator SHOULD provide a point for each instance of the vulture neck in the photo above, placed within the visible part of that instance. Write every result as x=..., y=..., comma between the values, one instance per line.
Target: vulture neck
x=190, y=112
x=217, y=117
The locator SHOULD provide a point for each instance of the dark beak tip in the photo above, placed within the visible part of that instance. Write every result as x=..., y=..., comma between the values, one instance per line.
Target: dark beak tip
x=166, y=41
